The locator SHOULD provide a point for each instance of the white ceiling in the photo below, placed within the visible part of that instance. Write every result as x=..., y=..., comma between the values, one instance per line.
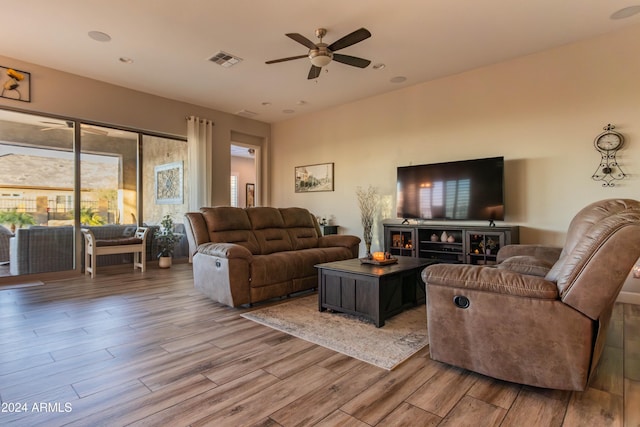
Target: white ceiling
x=171, y=41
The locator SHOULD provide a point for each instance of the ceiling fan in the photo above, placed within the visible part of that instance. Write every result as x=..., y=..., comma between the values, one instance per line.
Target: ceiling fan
x=321, y=54
x=69, y=125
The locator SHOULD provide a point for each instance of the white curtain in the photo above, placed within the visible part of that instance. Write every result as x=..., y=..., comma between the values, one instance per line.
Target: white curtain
x=199, y=141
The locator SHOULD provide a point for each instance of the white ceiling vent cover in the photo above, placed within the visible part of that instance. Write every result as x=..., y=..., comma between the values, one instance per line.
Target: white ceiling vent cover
x=246, y=113
x=225, y=59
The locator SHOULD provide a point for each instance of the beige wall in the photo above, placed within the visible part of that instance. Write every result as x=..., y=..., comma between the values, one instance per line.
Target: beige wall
x=67, y=95
x=541, y=112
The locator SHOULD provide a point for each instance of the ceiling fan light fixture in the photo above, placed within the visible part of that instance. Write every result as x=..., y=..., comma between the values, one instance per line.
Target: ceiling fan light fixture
x=320, y=56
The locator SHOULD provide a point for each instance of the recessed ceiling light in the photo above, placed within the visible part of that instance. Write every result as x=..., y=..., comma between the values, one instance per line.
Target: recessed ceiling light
x=126, y=60
x=289, y=111
x=301, y=102
x=398, y=79
x=625, y=12
x=99, y=36
x=378, y=66
x=266, y=104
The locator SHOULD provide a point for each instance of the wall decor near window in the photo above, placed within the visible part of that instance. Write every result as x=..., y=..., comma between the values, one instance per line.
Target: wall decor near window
x=16, y=84
x=169, y=184
x=312, y=178
x=251, y=195
x=608, y=143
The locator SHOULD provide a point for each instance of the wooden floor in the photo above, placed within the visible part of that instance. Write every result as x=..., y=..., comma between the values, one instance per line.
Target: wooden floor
x=131, y=348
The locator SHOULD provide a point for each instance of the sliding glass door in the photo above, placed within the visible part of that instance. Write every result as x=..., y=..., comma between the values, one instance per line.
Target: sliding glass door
x=57, y=175
x=39, y=196
x=108, y=177
x=37, y=175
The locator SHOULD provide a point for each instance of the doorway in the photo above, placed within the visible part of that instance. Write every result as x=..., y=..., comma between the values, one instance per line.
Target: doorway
x=244, y=175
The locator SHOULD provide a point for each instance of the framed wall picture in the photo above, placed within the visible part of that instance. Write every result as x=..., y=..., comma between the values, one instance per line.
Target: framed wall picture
x=16, y=84
x=251, y=195
x=169, y=184
x=312, y=178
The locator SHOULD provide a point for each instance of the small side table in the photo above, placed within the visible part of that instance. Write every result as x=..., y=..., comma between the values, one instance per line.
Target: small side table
x=329, y=229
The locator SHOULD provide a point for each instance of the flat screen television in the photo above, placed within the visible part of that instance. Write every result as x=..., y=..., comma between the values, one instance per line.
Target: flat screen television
x=466, y=190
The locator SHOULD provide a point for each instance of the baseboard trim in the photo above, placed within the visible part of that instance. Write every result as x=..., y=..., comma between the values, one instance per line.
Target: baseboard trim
x=629, y=297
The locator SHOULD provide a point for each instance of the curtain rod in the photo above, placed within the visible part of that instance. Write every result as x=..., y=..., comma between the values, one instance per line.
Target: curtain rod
x=200, y=119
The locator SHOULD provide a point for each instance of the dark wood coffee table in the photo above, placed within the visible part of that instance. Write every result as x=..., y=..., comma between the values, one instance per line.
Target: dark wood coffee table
x=372, y=291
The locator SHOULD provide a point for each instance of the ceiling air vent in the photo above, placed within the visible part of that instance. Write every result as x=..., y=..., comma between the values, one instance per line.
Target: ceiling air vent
x=246, y=113
x=225, y=59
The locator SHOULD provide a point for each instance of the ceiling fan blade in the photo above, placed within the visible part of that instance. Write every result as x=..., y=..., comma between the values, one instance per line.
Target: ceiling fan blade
x=356, y=37
x=351, y=60
x=302, y=40
x=314, y=72
x=274, y=61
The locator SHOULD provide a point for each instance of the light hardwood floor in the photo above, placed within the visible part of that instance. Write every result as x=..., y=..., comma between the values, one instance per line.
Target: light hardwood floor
x=131, y=348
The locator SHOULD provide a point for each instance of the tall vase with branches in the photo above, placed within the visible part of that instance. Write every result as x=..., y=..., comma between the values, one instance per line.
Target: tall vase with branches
x=368, y=200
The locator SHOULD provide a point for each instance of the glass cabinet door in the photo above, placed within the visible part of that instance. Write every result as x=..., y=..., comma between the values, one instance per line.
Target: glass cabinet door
x=482, y=248
x=400, y=241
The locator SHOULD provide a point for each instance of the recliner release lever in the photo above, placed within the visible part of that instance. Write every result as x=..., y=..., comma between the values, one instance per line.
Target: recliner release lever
x=461, y=301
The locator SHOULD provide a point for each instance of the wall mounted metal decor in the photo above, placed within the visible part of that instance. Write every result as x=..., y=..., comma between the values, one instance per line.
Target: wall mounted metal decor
x=16, y=84
x=169, y=184
x=608, y=143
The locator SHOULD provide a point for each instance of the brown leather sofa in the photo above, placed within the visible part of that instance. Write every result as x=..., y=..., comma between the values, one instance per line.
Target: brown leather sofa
x=243, y=256
x=541, y=317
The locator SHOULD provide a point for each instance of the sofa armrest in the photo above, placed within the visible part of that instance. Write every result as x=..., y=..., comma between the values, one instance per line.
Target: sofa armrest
x=489, y=279
x=225, y=250
x=341, y=240
x=334, y=240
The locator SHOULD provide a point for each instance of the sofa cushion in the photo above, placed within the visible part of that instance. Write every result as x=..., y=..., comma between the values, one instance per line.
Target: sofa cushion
x=264, y=217
x=272, y=269
x=585, y=221
x=301, y=228
x=230, y=225
x=118, y=241
x=269, y=231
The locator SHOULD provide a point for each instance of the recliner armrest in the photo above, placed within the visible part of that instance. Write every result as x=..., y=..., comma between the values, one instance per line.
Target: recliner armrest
x=225, y=250
x=489, y=279
x=534, y=260
x=548, y=254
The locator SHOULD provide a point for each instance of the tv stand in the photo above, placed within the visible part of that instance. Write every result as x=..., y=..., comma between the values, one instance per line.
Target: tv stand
x=463, y=244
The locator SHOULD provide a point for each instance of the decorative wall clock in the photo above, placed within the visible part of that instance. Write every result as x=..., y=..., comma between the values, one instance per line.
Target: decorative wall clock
x=608, y=143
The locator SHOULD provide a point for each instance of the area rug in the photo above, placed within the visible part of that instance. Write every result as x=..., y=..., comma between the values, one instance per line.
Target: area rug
x=402, y=336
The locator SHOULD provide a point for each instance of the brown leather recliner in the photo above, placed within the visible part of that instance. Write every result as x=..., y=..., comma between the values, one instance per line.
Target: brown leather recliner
x=540, y=318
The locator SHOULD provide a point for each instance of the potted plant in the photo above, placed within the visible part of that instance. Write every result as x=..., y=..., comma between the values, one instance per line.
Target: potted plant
x=166, y=239
x=14, y=217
